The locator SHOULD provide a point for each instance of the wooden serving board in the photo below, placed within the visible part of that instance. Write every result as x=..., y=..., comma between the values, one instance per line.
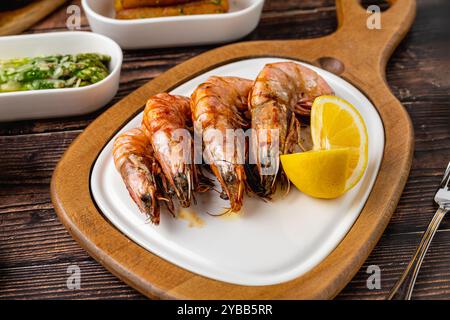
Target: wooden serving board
x=354, y=52
x=19, y=20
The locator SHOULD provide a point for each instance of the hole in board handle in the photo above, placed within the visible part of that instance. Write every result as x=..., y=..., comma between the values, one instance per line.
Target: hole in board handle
x=332, y=65
x=383, y=4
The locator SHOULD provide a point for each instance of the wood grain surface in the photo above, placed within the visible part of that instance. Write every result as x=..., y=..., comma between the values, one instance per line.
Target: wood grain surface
x=35, y=250
x=157, y=278
x=15, y=21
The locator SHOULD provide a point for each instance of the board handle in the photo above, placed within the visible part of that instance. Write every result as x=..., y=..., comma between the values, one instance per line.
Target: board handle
x=373, y=43
x=351, y=14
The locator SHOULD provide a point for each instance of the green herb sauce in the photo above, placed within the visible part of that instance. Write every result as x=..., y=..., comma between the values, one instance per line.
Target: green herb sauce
x=53, y=72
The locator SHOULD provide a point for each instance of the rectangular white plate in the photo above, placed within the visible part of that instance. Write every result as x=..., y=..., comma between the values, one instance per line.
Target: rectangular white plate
x=176, y=31
x=268, y=243
x=51, y=103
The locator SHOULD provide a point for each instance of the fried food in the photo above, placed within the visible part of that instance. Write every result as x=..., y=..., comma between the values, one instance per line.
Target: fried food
x=129, y=4
x=190, y=8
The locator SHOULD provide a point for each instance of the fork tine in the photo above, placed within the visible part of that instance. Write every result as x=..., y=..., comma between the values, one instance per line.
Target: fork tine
x=446, y=180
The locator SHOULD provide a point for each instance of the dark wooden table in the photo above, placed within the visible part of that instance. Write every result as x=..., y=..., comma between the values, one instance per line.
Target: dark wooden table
x=36, y=250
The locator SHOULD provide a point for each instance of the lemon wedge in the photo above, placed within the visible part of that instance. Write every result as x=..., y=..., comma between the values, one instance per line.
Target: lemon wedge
x=320, y=174
x=339, y=136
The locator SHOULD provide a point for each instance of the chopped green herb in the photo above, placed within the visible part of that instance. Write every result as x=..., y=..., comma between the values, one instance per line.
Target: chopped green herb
x=53, y=72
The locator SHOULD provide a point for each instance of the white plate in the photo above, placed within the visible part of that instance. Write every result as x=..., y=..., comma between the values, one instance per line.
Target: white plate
x=270, y=242
x=174, y=31
x=59, y=102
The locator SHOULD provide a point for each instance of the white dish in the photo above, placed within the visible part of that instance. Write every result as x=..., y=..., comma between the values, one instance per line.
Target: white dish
x=174, y=31
x=268, y=243
x=59, y=102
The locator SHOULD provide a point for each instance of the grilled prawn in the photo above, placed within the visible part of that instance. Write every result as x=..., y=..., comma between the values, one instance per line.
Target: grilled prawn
x=280, y=91
x=166, y=119
x=134, y=159
x=218, y=106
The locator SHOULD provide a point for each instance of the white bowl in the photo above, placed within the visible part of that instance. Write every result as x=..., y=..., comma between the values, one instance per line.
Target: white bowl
x=59, y=102
x=174, y=31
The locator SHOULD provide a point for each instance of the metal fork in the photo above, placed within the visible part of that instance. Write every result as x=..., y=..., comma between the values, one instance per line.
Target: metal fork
x=404, y=287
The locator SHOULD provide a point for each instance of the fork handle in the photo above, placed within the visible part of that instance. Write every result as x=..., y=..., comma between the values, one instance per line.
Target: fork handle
x=404, y=287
